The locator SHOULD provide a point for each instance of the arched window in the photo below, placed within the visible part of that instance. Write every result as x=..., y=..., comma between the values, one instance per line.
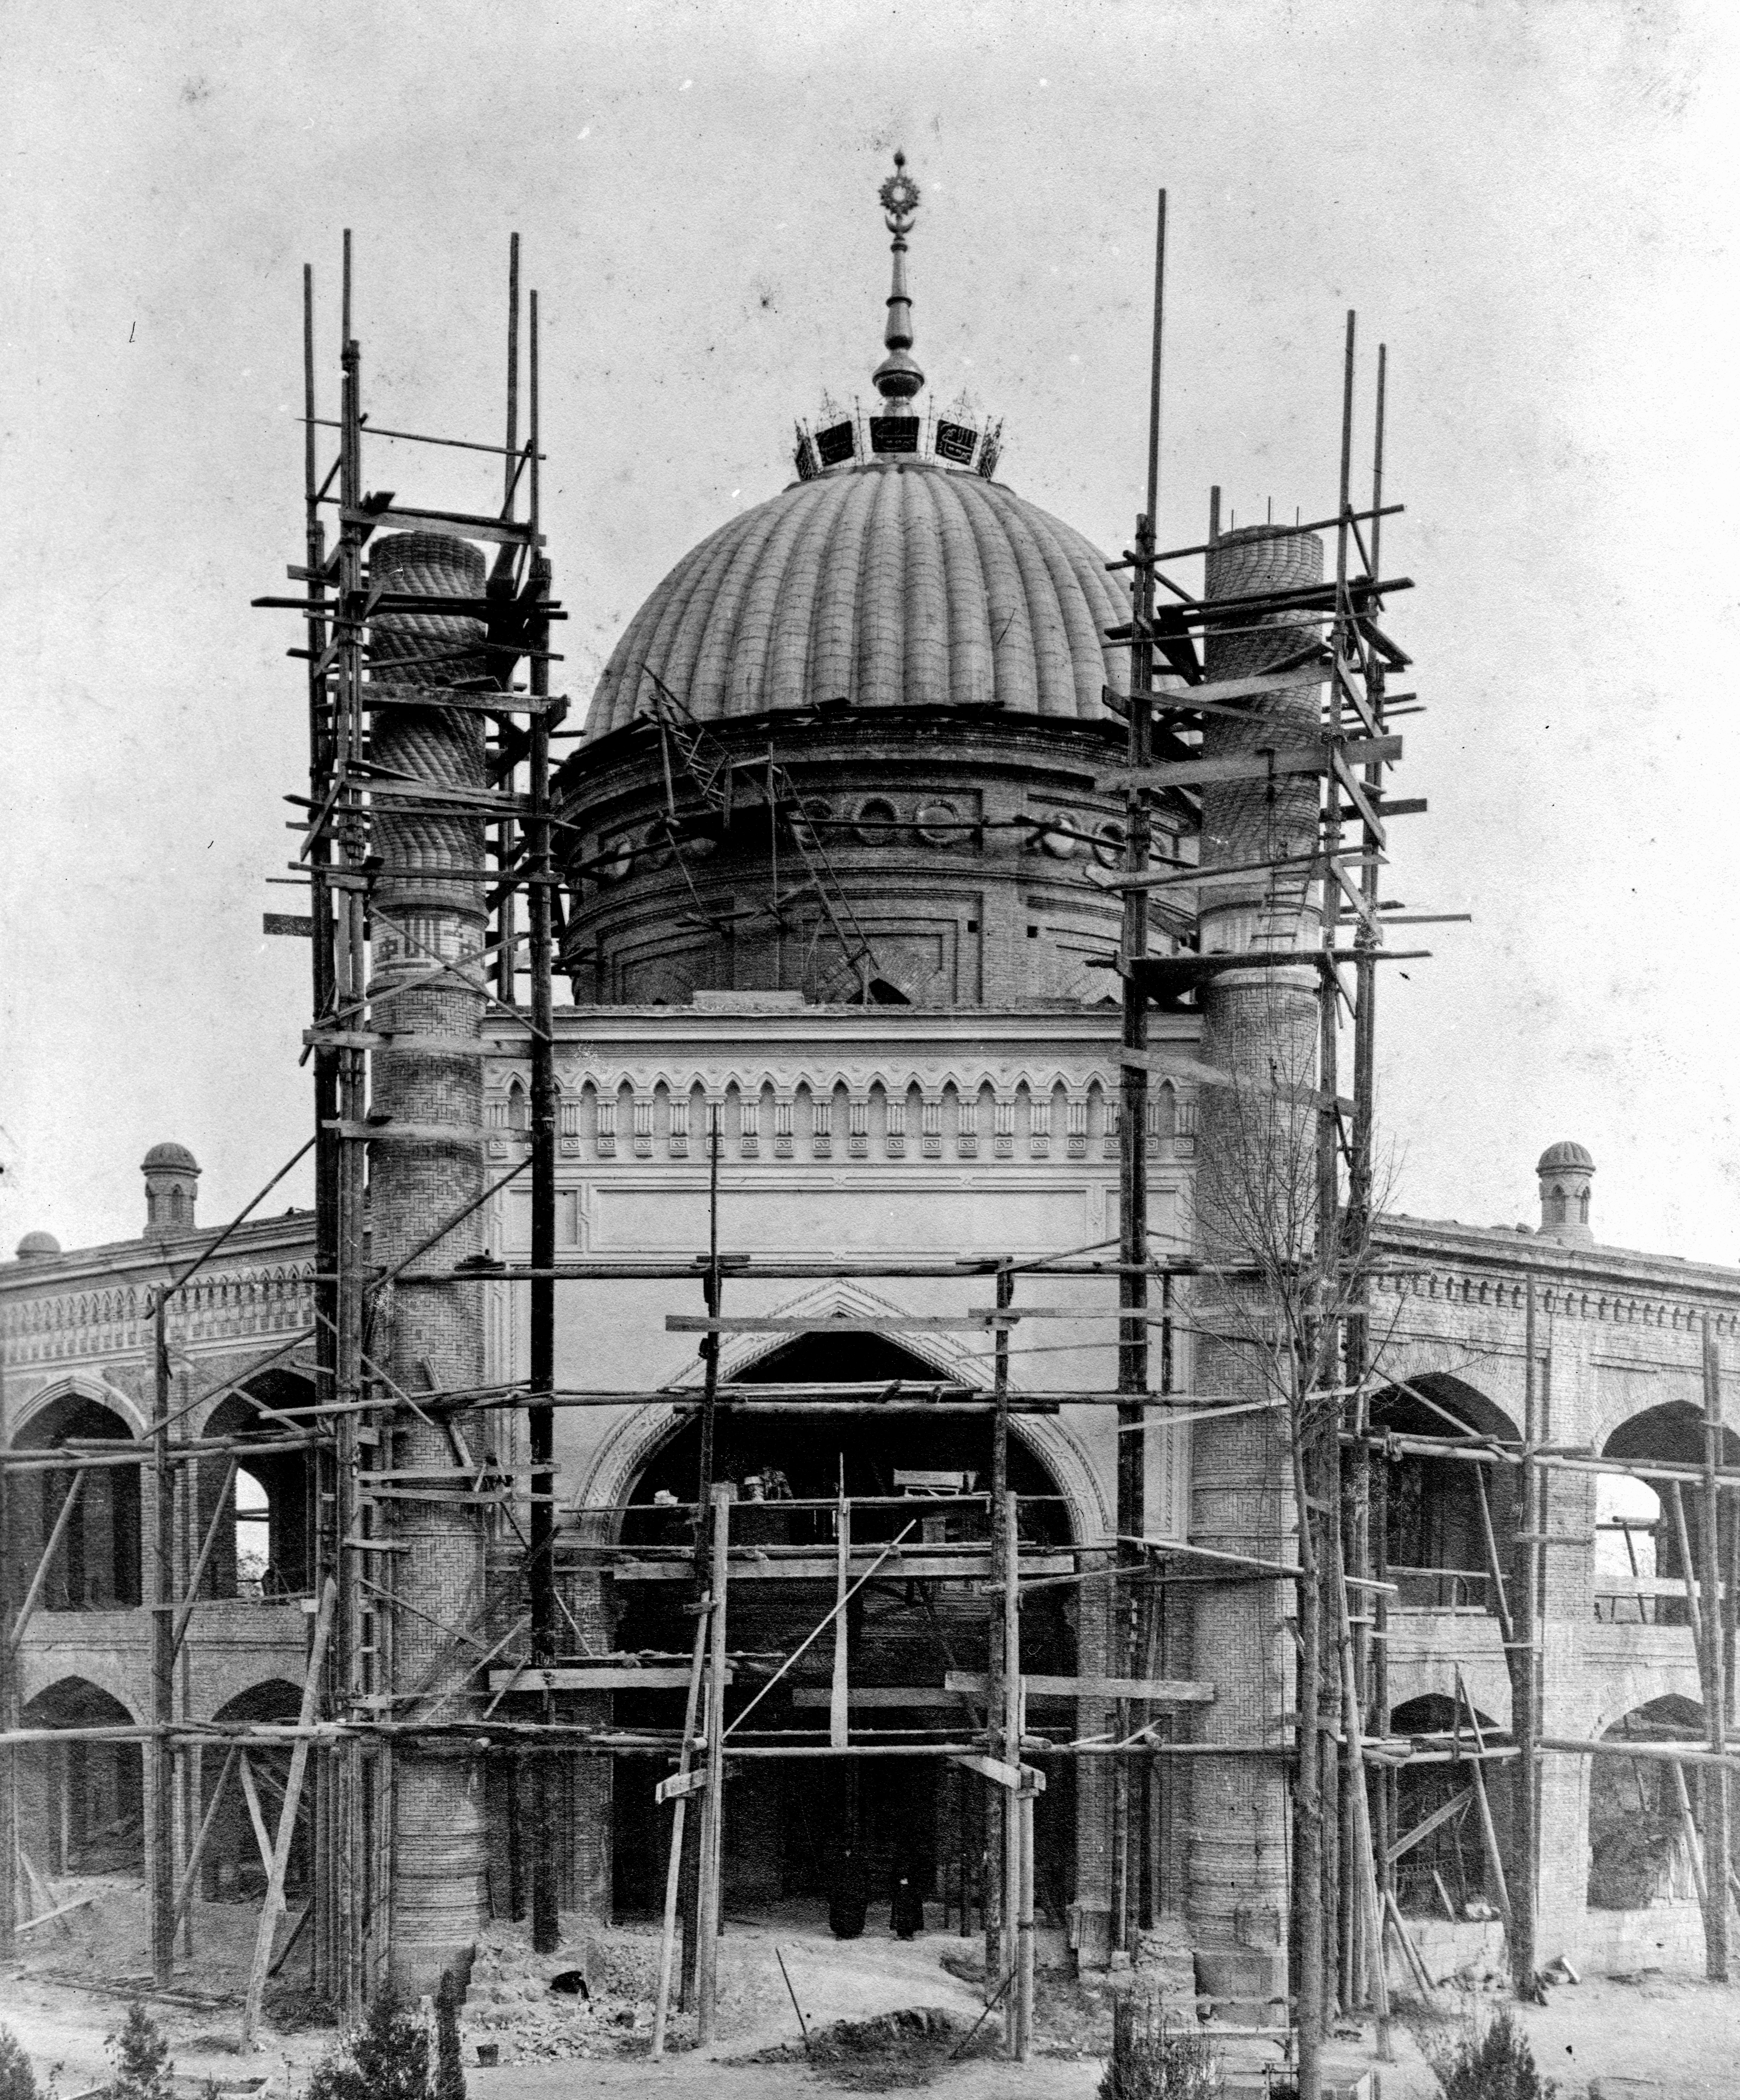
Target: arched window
x=1628, y=1521
x=254, y=1554
x=1662, y=1520
x=264, y=1550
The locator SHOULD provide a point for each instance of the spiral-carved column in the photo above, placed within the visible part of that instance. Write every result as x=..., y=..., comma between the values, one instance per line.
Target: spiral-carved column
x=429, y=908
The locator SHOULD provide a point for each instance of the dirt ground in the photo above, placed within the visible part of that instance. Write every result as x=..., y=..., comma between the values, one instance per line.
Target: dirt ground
x=1653, y=2038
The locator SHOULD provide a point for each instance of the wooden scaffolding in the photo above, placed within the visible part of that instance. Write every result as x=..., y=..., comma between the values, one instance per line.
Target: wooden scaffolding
x=1338, y=1750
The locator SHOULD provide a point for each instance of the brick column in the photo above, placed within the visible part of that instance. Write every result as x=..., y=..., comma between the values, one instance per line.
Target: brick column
x=1263, y=1023
x=430, y=1083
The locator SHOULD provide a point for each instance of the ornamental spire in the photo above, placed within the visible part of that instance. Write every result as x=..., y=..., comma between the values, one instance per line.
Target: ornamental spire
x=898, y=377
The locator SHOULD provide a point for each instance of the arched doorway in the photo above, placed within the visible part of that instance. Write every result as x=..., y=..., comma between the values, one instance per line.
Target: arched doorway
x=1434, y=1530
x=231, y=1870
x=1645, y=1529
x=1641, y=1840
x=82, y=1804
x=262, y=1550
x=1449, y=1872
x=96, y=1565
x=790, y=1824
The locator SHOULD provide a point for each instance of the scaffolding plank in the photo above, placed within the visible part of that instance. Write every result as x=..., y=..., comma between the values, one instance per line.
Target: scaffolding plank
x=1158, y=1690
x=837, y=1323
x=1014, y=1779
x=818, y=1567
x=462, y=524
x=597, y=1677
x=1167, y=1065
x=1284, y=761
x=449, y=701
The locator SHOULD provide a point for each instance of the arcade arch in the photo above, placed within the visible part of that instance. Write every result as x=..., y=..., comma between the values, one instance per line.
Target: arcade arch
x=1434, y=1529
x=81, y=1803
x=263, y=1549
x=1645, y=1529
x=96, y=1566
x=231, y=1868
x=1451, y=1864
x=795, y=1831
x=1639, y=1842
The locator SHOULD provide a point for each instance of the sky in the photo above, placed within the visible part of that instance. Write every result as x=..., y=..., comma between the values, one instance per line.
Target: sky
x=1535, y=205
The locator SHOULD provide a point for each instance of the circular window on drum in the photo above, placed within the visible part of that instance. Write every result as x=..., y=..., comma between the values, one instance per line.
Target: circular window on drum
x=876, y=821
x=814, y=811
x=1108, y=847
x=1058, y=837
x=938, y=823
x=615, y=858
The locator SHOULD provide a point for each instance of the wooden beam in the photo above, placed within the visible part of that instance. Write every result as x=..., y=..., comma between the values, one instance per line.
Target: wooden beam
x=460, y=523
x=674, y=1865
x=184, y=1894
x=43, y=1917
x=273, y=1906
x=590, y=1677
x=1161, y=1691
x=63, y=1518
x=1169, y=1065
x=833, y=1323
x=1013, y=1779
x=1284, y=761
x=1457, y=1804
x=256, y=1813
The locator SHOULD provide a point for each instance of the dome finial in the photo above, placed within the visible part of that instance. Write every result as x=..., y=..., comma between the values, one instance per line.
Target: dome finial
x=898, y=378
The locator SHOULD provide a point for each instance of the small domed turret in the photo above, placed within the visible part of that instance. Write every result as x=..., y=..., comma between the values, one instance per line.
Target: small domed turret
x=38, y=1246
x=172, y=1177
x=1565, y=1169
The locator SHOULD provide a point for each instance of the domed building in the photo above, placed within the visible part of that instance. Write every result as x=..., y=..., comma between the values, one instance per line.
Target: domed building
x=839, y=906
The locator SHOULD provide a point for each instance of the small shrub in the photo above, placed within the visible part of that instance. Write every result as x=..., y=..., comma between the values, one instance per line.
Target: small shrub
x=17, y=2079
x=142, y=2069
x=1498, y=2065
x=1151, y=2060
x=387, y=2059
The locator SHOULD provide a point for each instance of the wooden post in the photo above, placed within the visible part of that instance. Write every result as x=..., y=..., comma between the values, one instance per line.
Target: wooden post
x=1013, y=1867
x=1523, y=1654
x=998, y=1897
x=1716, y=1802
x=1365, y=1863
x=9, y=1919
x=1132, y=1177
x=712, y=1801
x=161, y=1863
x=679, y=1810
x=548, y=1770
x=839, y=1698
x=1489, y=1834
x=196, y=1851
x=273, y=1905
x=1024, y=1932
x=1694, y=1843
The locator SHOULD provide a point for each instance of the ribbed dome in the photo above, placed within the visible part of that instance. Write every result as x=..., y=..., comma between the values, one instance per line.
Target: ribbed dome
x=907, y=584
x=1566, y=1153
x=171, y=1158
x=38, y=1246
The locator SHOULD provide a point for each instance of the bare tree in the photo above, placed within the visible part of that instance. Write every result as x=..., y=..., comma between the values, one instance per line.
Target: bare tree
x=1286, y=1268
